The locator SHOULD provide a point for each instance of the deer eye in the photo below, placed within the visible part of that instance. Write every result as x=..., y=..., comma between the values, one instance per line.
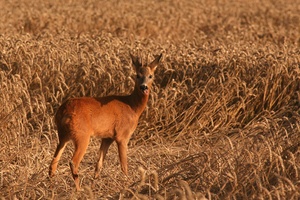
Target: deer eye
x=150, y=76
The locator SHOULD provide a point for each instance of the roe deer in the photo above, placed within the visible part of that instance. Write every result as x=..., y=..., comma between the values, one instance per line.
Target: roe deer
x=112, y=118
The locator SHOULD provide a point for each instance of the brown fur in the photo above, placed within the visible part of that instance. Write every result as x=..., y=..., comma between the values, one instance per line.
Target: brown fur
x=113, y=118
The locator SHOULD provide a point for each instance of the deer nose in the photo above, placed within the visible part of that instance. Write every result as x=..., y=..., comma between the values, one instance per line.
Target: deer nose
x=143, y=87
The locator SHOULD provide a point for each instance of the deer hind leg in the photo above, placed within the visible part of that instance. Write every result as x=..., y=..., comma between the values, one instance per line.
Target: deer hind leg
x=122, y=147
x=105, y=144
x=58, y=152
x=80, y=149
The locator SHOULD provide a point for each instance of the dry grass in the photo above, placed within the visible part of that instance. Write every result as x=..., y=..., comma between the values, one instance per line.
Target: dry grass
x=223, y=121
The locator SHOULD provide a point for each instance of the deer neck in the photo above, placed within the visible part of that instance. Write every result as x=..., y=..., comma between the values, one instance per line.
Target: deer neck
x=138, y=101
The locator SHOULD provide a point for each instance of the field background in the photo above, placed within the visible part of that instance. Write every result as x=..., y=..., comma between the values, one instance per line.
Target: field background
x=223, y=120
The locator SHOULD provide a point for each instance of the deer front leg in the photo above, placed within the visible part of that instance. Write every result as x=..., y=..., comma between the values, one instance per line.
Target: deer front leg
x=122, y=147
x=106, y=142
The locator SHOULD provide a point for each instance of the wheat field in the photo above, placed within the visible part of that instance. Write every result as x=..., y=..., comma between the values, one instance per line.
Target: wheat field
x=223, y=118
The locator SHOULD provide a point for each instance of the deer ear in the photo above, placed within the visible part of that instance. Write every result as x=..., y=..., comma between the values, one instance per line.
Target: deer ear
x=155, y=62
x=135, y=61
